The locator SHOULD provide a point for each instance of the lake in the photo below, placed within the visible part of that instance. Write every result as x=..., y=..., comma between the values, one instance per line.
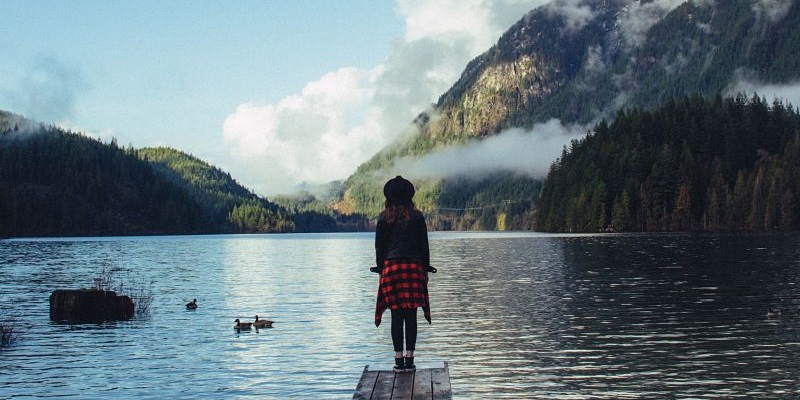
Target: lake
x=516, y=315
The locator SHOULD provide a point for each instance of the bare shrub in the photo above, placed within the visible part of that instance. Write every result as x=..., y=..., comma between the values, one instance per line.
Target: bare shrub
x=139, y=290
x=130, y=284
x=104, y=278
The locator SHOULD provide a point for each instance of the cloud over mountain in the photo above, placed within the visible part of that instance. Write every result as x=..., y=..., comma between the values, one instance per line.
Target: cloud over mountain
x=528, y=152
x=48, y=90
x=337, y=122
x=788, y=93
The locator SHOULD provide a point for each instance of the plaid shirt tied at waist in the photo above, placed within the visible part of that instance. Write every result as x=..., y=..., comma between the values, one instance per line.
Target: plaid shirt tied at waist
x=403, y=285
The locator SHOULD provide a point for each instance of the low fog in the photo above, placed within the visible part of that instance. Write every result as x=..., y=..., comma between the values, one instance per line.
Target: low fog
x=788, y=93
x=48, y=91
x=528, y=152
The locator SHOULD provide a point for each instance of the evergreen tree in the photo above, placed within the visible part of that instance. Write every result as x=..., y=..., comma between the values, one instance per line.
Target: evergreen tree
x=694, y=164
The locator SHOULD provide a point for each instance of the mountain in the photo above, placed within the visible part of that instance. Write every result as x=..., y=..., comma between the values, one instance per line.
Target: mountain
x=230, y=206
x=577, y=63
x=234, y=208
x=61, y=183
x=690, y=165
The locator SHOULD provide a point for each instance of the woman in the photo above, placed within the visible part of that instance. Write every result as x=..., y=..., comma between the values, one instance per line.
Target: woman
x=402, y=258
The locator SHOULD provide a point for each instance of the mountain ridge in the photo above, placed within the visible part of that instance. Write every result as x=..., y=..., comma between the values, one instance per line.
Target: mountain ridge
x=61, y=183
x=581, y=71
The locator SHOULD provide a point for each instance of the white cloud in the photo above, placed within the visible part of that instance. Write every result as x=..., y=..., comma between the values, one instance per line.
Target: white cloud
x=773, y=9
x=576, y=15
x=307, y=137
x=345, y=117
x=594, y=59
x=480, y=22
x=789, y=93
x=515, y=150
x=448, y=21
x=48, y=91
x=640, y=16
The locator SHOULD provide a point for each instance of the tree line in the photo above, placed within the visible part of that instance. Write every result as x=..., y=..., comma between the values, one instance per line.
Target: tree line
x=55, y=182
x=229, y=206
x=693, y=164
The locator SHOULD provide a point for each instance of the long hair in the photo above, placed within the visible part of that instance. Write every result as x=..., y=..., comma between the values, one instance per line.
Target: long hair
x=395, y=212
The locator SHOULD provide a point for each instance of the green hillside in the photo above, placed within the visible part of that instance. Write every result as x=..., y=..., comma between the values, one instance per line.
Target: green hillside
x=61, y=183
x=234, y=208
x=230, y=206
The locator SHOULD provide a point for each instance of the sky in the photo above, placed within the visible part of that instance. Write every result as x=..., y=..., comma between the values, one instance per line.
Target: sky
x=280, y=94
x=277, y=93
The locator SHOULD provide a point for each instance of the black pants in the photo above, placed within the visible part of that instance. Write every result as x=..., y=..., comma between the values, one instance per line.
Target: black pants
x=407, y=317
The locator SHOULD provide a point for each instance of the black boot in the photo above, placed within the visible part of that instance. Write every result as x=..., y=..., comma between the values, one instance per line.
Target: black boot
x=399, y=365
x=409, y=362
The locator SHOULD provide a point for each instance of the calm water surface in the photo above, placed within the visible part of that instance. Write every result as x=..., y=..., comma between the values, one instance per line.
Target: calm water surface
x=517, y=315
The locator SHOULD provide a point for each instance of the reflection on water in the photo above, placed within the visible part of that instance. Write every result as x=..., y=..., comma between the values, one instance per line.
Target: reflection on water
x=517, y=315
x=626, y=316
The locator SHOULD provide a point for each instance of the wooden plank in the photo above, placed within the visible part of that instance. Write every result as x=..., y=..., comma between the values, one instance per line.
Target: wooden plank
x=366, y=384
x=403, y=385
x=422, y=385
x=384, y=385
x=440, y=382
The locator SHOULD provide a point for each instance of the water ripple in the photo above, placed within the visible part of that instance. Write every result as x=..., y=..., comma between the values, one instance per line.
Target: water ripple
x=516, y=315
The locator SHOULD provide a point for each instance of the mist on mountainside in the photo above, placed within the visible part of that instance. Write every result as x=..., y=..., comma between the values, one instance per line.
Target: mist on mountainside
x=572, y=64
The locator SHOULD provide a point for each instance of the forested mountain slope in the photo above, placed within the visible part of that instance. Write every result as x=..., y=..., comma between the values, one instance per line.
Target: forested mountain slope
x=230, y=206
x=60, y=183
x=694, y=164
x=580, y=62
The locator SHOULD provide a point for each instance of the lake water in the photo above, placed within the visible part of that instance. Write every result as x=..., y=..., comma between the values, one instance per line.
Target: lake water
x=517, y=315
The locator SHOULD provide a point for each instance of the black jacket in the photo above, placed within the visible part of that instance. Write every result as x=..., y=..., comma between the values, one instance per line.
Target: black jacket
x=402, y=239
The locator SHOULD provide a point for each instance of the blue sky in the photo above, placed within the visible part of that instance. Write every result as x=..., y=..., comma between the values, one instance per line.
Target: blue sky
x=274, y=92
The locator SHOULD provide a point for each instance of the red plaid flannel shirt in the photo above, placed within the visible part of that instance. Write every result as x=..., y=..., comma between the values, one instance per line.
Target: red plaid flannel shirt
x=403, y=285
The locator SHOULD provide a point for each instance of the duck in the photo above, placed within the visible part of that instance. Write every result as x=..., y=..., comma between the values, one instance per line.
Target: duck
x=262, y=323
x=773, y=313
x=242, y=325
x=192, y=305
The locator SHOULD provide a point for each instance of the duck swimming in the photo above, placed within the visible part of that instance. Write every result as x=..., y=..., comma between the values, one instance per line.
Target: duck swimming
x=192, y=305
x=773, y=313
x=262, y=323
x=242, y=325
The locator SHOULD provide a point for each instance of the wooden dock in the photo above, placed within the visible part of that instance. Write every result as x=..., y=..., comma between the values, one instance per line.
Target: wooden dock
x=424, y=383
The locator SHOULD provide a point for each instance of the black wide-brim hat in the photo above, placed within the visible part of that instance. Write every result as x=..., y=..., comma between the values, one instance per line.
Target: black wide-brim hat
x=398, y=190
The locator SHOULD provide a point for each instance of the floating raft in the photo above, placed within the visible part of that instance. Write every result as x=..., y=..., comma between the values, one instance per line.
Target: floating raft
x=424, y=383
